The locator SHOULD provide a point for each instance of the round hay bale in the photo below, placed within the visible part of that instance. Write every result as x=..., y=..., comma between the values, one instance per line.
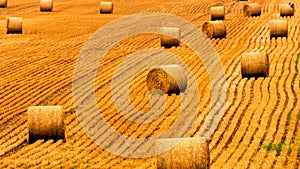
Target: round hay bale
x=168, y=78
x=214, y=29
x=255, y=64
x=46, y=5
x=46, y=122
x=3, y=3
x=189, y=154
x=287, y=9
x=106, y=7
x=252, y=9
x=167, y=34
x=278, y=28
x=14, y=25
x=217, y=13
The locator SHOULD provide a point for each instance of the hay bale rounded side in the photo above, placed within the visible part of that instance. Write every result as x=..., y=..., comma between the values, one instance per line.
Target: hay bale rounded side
x=214, y=29
x=46, y=5
x=252, y=9
x=278, y=28
x=45, y=122
x=217, y=13
x=254, y=64
x=167, y=34
x=14, y=25
x=287, y=9
x=168, y=78
x=189, y=154
x=3, y=3
x=106, y=7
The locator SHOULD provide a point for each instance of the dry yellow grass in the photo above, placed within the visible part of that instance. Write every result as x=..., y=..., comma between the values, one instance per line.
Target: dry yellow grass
x=37, y=68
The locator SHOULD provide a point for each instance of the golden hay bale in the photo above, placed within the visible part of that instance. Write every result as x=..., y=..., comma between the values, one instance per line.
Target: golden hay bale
x=46, y=5
x=168, y=78
x=278, y=28
x=167, y=34
x=252, y=9
x=3, y=3
x=214, y=29
x=255, y=64
x=217, y=13
x=106, y=7
x=287, y=9
x=189, y=154
x=46, y=122
x=14, y=24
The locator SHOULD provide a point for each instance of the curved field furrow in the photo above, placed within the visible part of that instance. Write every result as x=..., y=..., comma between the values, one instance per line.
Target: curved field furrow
x=274, y=97
x=235, y=102
x=37, y=69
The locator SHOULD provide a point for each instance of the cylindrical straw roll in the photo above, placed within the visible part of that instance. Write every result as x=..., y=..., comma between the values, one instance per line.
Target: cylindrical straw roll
x=167, y=36
x=3, y=3
x=278, y=28
x=106, y=7
x=252, y=9
x=188, y=154
x=46, y=5
x=46, y=122
x=214, y=29
x=217, y=13
x=255, y=64
x=287, y=9
x=14, y=25
x=168, y=78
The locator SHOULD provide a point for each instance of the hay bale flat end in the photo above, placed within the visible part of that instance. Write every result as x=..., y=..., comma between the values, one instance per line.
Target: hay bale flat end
x=168, y=78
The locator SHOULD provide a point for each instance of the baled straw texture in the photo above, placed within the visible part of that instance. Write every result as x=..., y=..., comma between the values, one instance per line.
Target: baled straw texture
x=255, y=64
x=14, y=25
x=287, y=9
x=167, y=34
x=46, y=5
x=3, y=3
x=278, y=28
x=106, y=7
x=188, y=154
x=214, y=29
x=217, y=13
x=168, y=78
x=252, y=9
x=46, y=122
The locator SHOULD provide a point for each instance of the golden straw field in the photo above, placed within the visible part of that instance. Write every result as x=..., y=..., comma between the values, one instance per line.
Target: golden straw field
x=260, y=127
